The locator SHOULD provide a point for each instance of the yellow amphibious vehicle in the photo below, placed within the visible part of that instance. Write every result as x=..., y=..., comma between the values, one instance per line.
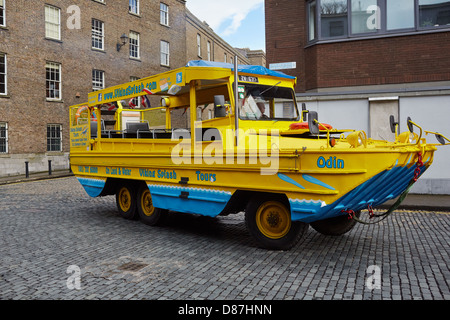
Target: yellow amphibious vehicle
x=274, y=160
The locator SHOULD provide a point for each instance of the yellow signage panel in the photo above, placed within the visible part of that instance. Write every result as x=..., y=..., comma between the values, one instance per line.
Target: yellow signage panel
x=165, y=83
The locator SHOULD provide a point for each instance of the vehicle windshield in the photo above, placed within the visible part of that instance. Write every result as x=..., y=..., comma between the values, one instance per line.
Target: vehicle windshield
x=260, y=102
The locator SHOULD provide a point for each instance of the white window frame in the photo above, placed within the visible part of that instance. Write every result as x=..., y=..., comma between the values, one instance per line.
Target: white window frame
x=165, y=53
x=134, y=45
x=50, y=13
x=5, y=138
x=51, y=140
x=208, y=50
x=54, y=93
x=98, y=34
x=199, y=45
x=98, y=80
x=164, y=14
x=133, y=7
x=5, y=74
x=3, y=12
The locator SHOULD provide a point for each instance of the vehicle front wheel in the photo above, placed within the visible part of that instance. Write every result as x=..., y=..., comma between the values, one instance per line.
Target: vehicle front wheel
x=268, y=220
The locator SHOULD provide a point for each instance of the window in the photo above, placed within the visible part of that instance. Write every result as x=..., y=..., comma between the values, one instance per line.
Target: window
x=54, y=141
x=400, y=14
x=333, y=17
x=165, y=53
x=199, y=45
x=3, y=74
x=98, y=34
x=164, y=14
x=98, y=80
x=53, y=80
x=225, y=57
x=2, y=13
x=312, y=20
x=364, y=16
x=434, y=13
x=208, y=49
x=134, y=45
x=52, y=22
x=133, y=6
x=3, y=137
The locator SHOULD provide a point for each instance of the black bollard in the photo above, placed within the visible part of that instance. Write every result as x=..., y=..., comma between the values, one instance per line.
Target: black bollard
x=27, y=173
x=49, y=167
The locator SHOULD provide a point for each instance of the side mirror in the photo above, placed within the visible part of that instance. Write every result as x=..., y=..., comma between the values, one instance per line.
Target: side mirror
x=392, y=123
x=410, y=125
x=219, y=107
x=313, y=124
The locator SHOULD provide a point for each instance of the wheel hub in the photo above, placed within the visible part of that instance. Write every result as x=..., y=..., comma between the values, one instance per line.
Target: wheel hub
x=273, y=220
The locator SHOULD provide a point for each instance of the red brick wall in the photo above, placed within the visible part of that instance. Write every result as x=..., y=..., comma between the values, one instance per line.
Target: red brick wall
x=285, y=35
x=404, y=59
x=387, y=60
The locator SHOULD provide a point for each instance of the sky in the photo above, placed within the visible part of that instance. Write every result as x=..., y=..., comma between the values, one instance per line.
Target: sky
x=238, y=22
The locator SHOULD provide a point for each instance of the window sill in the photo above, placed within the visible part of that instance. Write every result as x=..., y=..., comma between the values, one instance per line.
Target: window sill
x=5, y=96
x=54, y=100
x=54, y=40
x=98, y=50
x=136, y=59
x=137, y=15
x=376, y=36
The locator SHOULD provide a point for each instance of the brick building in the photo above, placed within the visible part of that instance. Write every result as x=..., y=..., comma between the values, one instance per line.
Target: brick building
x=54, y=52
x=358, y=62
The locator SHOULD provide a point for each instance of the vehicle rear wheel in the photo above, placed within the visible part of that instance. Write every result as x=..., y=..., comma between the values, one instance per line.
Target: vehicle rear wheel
x=336, y=226
x=126, y=201
x=147, y=212
x=268, y=220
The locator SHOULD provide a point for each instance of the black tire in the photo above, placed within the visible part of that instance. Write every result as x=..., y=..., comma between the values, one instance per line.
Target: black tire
x=126, y=201
x=268, y=219
x=148, y=214
x=336, y=226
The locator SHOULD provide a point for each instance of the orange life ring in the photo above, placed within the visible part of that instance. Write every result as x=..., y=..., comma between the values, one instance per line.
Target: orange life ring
x=80, y=110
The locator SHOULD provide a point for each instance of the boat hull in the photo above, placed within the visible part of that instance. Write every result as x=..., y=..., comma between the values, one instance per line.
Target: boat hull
x=318, y=184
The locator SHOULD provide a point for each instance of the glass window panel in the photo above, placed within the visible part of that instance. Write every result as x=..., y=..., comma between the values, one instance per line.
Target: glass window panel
x=333, y=18
x=399, y=14
x=2, y=13
x=164, y=14
x=52, y=23
x=434, y=13
x=312, y=20
x=97, y=34
x=364, y=17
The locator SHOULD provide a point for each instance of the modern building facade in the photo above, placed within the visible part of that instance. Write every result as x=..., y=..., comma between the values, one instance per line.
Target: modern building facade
x=359, y=61
x=54, y=52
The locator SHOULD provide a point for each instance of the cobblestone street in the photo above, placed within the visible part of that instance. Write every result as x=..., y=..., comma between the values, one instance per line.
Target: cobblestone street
x=57, y=243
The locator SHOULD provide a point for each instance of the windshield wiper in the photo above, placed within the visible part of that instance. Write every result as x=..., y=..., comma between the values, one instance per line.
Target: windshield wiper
x=270, y=88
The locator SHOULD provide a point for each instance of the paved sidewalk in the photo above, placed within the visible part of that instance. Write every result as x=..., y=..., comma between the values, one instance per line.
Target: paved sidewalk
x=35, y=176
x=57, y=243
